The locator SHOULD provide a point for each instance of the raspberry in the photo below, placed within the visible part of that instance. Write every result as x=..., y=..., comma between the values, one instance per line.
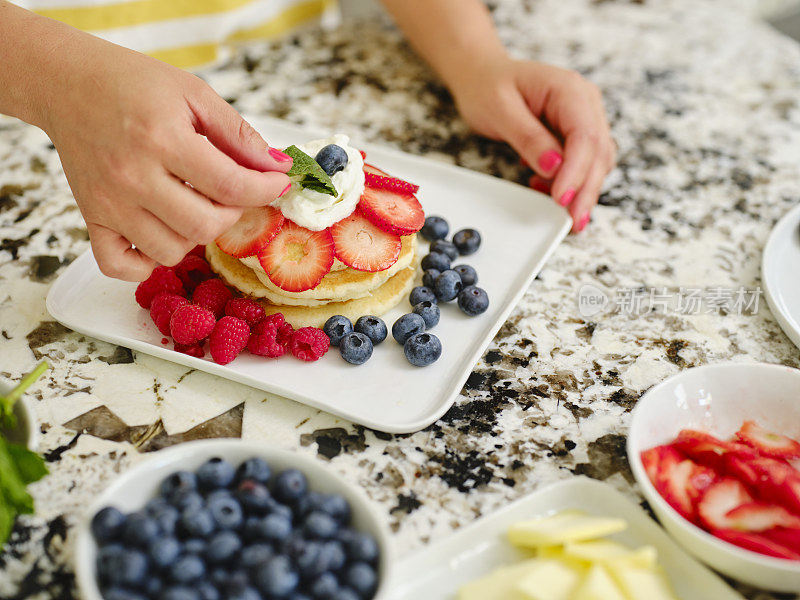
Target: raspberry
x=192, y=271
x=309, y=343
x=276, y=318
x=285, y=333
x=262, y=341
x=195, y=350
x=245, y=309
x=213, y=295
x=190, y=324
x=229, y=337
x=161, y=309
x=198, y=251
x=162, y=279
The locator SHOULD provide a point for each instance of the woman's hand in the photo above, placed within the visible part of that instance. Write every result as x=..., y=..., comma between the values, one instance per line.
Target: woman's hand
x=132, y=132
x=552, y=117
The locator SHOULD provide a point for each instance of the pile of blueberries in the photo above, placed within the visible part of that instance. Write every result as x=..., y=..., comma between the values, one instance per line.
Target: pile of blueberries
x=227, y=533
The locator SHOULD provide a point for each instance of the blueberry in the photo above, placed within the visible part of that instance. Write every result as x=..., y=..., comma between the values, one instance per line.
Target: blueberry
x=117, y=565
x=207, y=591
x=429, y=311
x=276, y=578
x=107, y=524
x=254, y=496
x=372, y=327
x=467, y=241
x=320, y=525
x=324, y=586
x=332, y=159
x=222, y=547
x=445, y=247
x=435, y=228
x=447, y=285
x=362, y=547
x=233, y=579
x=153, y=586
x=119, y=593
x=255, y=554
x=406, y=326
x=256, y=469
x=226, y=510
x=336, y=327
x=435, y=260
x=356, y=348
x=473, y=300
x=362, y=578
x=194, y=546
x=332, y=555
x=140, y=529
x=421, y=293
x=429, y=276
x=345, y=593
x=469, y=276
x=275, y=507
x=188, y=568
x=298, y=596
x=290, y=485
x=274, y=527
x=307, y=560
x=334, y=505
x=179, y=592
x=423, y=349
x=215, y=473
x=246, y=593
x=163, y=551
x=186, y=500
x=196, y=522
x=180, y=481
x=164, y=514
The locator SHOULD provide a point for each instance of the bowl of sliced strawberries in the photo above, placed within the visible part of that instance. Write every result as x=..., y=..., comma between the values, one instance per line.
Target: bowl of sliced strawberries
x=715, y=452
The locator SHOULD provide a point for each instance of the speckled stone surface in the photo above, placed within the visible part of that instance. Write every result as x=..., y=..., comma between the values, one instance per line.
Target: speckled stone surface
x=704, y=104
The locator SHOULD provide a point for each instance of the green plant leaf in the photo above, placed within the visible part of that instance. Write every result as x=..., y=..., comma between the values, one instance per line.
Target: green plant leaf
x=307, y=173
x=29, y=464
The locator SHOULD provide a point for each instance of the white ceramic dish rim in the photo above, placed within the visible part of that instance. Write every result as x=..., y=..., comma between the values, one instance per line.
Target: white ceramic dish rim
x=776, y=304
x=84, y=544
x=653, y=496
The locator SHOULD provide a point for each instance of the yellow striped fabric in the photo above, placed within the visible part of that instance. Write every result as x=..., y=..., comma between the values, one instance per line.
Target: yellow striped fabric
x=185, y=33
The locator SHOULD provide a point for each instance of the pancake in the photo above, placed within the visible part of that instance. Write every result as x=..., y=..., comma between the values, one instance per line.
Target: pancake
x=380, y=300
x=336, y=286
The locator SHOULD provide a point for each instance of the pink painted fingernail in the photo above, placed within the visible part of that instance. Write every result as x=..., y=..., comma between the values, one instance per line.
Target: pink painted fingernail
x=286, y=189
x=279, y=156
x=550, y=160
x=567, y=197
x=583, y=222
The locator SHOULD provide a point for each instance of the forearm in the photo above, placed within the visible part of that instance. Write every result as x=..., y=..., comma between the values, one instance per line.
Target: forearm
x=453, y=36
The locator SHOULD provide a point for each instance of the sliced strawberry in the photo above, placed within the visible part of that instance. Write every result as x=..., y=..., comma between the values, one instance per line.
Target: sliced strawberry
x=253, y=231
x=683, y=483
x=767, y=443
x=362, y=246
x=719, y=499
x=400, y=214
x=363, y=154
x=777, y=482
x=380, y=182
x=651, y=460
x=707, y=449
x=757, y=543
x=298, y=258
x=741, y=469
x=758, y=516
x=374, y=170
x=785, y=536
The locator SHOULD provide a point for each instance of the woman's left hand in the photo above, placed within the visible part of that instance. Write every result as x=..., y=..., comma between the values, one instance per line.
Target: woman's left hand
x=554, y=119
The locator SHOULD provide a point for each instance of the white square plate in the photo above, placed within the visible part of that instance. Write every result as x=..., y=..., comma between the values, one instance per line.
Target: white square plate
x=520, y=229
x=436, y=572
x=779, y=267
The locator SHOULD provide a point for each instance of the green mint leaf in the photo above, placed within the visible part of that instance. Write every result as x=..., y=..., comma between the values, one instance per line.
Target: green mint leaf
x=12, y=485
x=307, y=173
x=29, y=464
x=7, y=417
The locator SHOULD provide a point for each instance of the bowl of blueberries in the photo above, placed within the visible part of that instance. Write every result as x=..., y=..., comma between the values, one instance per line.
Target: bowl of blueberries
x=231, y=520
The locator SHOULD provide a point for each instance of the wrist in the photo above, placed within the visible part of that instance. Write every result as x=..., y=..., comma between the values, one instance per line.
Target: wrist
x=472, y=73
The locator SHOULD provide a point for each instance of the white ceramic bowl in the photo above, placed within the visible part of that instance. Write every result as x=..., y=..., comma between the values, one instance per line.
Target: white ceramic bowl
x=26, y=432
x=717, y=399
x=131, y=490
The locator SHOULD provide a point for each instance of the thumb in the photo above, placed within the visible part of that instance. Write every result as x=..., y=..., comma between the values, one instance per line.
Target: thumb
x=228, y=131
x=532, y=141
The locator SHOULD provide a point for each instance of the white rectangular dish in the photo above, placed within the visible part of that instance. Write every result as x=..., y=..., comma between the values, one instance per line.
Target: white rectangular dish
x=436, y=572
x=520, y=229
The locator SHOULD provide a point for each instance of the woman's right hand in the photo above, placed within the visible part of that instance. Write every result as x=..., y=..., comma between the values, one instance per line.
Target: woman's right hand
x=131, y=133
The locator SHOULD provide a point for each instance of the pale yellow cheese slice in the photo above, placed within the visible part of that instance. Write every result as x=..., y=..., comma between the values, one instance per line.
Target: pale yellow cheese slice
x=500, y=584
x=606, y=550
x=563, y=527
x=550, y=579
x=598, y=585
x=641, y=584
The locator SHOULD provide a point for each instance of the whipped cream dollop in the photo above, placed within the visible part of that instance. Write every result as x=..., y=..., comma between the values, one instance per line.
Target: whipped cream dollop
x=317, y=211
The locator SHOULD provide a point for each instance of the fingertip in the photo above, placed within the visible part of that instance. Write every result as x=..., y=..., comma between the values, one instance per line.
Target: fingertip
x=548, y=162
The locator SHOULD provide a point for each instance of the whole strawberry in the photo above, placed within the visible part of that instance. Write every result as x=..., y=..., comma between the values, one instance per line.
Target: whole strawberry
x=161, y=280
x=213, y=295
x=309, y=343
x=228, y=339
x=161, y=310
x=245, y=309
x=190, y=324
x=263, y=340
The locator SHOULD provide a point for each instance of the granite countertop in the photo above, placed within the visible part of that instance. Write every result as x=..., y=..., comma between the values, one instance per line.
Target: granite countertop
x=703, y=99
